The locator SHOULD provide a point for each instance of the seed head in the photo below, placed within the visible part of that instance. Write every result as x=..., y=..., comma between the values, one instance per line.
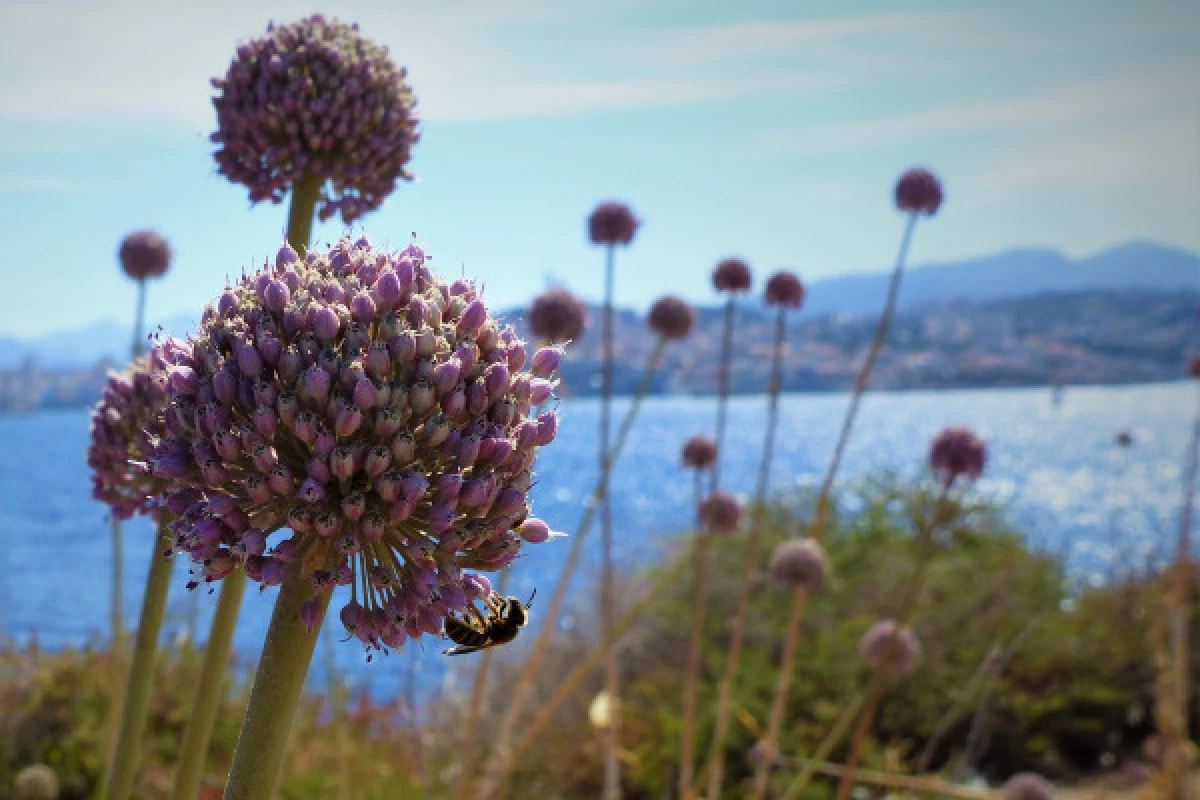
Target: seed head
x=557, y=316
x=144, y=254
x=799, y=563
x=375, y=470
x=612, y=223
x=919, y=190
x=1027, y=786
x=315, y=97
x=700, y=452
x=785, y=289
x=672, y=317
x=127, y=424
x=732, y=275
x=957, y=452
x=37, y=782
x=884, y=646
x=721, y=511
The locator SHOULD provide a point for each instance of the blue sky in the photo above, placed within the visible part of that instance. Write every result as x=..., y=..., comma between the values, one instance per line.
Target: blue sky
x=768, y=130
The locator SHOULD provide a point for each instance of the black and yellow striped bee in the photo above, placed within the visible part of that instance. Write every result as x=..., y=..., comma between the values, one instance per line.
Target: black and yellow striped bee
x=474, y=631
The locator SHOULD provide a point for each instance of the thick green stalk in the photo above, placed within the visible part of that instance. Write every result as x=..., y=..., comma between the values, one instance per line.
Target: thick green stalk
x=305, y=193
x=141, y=674
x=196, y=736
x=278, y=685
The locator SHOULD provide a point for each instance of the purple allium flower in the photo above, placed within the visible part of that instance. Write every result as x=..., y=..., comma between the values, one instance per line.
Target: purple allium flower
x=721, y=511
x=785, y=289
x=1027, y=786
x=732, y=275
x=1124, y=439
x=672, y=317
x=919, y=190
x=883, y=646
x=557, y=316
x=315, y=97
x=957, y=452
x=612, y=223
x=369, y=475
x=144, y=254
x=1194, y=367
x=799, y=563
x=700, y=452
x=127, y=425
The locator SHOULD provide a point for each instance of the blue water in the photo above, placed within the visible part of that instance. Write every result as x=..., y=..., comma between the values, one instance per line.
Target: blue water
x=1064, y=481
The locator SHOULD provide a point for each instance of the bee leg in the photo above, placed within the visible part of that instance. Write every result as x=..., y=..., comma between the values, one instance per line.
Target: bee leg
x=478, y=616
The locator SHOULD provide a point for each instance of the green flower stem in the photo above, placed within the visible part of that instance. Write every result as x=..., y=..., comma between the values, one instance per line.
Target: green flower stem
x=278, y=684
x=612, y=731
x=305, y=193
x=139, y=344
x=141, y=673
x=762, y=773
x=520, y=692
x=825, y=748
x=117, y=656
x=701, y=545
x=208, y=694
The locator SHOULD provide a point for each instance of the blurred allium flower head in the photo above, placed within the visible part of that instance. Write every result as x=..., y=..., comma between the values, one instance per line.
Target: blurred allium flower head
x=126, y=426
x=144, y=254
x=1194, y=367
x=37, y=782
x=799, y=564
x=721, y=511
x=376, y=413
x=785, y=289
x=315, y=97
x=1027, y=786
x=672, y=317
x=612, y=223
x=919, y=190
x=957, y=452
x=700, y=452
x=557, y=316
x=732, y=275
x=879, y=651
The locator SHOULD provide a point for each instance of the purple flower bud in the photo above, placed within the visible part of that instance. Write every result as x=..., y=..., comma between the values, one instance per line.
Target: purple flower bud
x=540, y=390
x=273, y=571
x=534, y=531
x=225, y=386
x=341, y=462
x=401, y=510
x=286, y=256
x=445, y=376
x=183, y=380
x=373, y=526
x=276, y=296
x=362, y=308
x=248, y=359
x=326, y=323
x=349, y=418
x=281, y=480
x=265, y=420
x=468, y=450
x=325, y=524
x=366, y=394
x=311, y=491
x=403, y=348
x=472, y=318
x=258, y=489
x=404, y=449
x=547, y=428
x=354, y=505
x=508, y=502
x=546, y=361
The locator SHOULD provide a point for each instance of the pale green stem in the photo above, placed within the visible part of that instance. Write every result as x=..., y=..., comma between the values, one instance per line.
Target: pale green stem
x=141, y=674
x=762, y=773
x=278, y=684
x=701, y=542
x=118, y=664
x=207, y=701
x=612, y=731
x=305, y=193
x=520, y=692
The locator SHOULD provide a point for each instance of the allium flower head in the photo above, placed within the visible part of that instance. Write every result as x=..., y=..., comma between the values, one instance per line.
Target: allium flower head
x=721, y=511
x=919, y=190
x=799, y=563
x=144, y=254
x=884, y=646
x=378, y=414
x=1027, y=786
x=700, y=452
x=732, y=275
x=785, y=289
x=557, y=316
x=957, y=452
x=37, y=782
x=612, y=223
x=672, y=317
x=1194, y=367
x=126, y=426
x=315, y=97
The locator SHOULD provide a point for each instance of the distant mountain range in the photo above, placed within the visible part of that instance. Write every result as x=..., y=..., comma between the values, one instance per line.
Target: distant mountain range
x=1013, y=273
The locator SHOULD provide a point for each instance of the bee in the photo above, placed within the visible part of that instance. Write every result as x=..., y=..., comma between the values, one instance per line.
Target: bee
x=474, y=631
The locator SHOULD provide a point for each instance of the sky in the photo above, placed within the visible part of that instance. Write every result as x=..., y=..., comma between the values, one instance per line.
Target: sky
x=773, y=131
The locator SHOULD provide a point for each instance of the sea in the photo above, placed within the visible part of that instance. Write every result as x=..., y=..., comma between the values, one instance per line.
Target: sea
x=1054, y=465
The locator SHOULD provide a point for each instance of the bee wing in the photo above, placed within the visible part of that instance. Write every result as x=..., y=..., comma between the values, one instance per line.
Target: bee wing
x=462, y=650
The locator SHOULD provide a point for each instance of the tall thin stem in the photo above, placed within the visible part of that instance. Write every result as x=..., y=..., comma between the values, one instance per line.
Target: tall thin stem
x=612, y=732
x=882, y=672
x=278, y=683
x=762, y=774
x=716, y=756
x=141, y=673
x=520, y=692
x=118, y=661
x=701, y=545
x=723, y=383
x=207, y=701
x=139, y=319
x=825, y=748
